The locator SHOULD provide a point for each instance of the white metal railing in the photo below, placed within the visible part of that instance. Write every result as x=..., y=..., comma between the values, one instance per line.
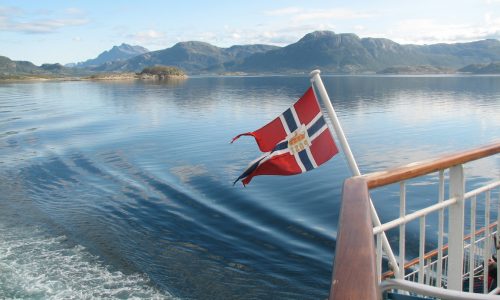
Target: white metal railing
x=431, y=291
x=458, y=264
x=359, y=261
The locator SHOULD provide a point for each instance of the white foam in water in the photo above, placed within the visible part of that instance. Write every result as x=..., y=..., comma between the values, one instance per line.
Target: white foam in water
x=34, y=266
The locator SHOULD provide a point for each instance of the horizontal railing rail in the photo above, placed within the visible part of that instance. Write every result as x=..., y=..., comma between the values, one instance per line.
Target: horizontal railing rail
x=431, y=291
x=410, y=217
x=433, y=253
x=413, y=170
x=357, y=269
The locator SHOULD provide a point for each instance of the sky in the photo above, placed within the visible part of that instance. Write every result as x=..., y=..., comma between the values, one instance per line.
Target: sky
x=76, y=30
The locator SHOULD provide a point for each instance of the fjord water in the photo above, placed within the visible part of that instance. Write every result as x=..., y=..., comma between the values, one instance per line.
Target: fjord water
x=124, y=189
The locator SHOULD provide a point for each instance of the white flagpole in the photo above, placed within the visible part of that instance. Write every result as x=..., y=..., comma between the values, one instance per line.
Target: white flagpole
x=353, y=166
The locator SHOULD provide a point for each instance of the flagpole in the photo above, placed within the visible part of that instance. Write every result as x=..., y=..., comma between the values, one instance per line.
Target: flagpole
x=353, y=166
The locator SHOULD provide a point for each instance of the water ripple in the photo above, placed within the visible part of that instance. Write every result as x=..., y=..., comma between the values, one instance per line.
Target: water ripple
x=132, y=182
x=36, y=266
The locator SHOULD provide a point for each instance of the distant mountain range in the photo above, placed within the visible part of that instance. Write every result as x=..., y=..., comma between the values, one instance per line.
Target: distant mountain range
x=491, y=68
x=8, y=66
x=192, y=57
x=325, y=50
x=347, y=53
x=117, y=53
x=11, y=69
x=330, y=52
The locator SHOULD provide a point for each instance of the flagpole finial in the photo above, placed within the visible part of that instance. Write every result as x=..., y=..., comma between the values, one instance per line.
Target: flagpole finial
x=314, y=72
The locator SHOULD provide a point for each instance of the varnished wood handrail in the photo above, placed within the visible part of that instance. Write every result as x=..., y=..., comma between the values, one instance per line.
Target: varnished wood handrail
x=355, y=272
x=413, y=170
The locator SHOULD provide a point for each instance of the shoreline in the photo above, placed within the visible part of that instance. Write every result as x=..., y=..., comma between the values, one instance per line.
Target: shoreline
x=133, y=76
x=96, y=77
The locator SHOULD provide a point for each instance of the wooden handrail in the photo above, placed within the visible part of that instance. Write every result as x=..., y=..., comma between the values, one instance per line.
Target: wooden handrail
x=355, y=271
x=413, y=170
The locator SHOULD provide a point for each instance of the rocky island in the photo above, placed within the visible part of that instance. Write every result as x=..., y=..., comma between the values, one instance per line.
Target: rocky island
x=157, y=72
x=161, y=72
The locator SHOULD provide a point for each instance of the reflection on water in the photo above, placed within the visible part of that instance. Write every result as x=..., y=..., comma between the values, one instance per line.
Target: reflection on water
x=133, y=180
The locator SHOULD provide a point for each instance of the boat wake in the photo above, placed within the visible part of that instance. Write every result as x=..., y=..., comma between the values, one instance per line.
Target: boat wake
x=36, y=266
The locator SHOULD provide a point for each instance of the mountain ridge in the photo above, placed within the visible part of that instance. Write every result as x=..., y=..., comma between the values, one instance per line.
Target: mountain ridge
x=347, y=53
x=192, y=56
x=116, y=53
x=25, y=69
x=325, y=50
x=491, y=68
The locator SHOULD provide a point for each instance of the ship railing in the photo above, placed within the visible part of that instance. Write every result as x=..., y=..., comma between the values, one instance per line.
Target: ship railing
x=473, y=262
x=476, y=245
x=460, y=260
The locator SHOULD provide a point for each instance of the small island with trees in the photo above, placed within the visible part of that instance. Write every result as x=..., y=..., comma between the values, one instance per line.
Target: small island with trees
x=162, y=72
x=157, y=72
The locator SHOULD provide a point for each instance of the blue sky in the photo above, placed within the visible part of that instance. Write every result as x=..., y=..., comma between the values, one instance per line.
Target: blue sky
x=74, y=30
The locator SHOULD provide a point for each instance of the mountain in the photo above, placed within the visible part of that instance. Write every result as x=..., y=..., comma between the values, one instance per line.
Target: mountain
x=117, y=53
x=20, y=69
x=416, y=70
x=193, y=57
x=321, y=49
x=347, y=53
x=325, y=50
x=9, y=67
x=461, y=54
x=491, y=68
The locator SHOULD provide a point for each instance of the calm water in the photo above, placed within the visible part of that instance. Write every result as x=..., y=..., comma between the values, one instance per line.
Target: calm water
x=124, y=189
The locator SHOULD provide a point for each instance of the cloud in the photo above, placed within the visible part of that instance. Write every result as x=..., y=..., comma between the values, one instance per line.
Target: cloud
x=17, y=20
x=428, y=31
x=262, y=34
x=44, y=26
x=148, y=37
x=283, y=11
x=74, y=11
x=297, y=14
x=289, y=24
x=296, y=21
x=5, y=10
x=334, y=14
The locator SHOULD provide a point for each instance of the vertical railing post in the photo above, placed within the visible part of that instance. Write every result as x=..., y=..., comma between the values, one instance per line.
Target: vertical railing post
x=487, y=244
x=421, y=251
x=456, y=229
x=379, y=257
x=497, y=240
x=472, y=247
x=402, y=230
x=440, y=231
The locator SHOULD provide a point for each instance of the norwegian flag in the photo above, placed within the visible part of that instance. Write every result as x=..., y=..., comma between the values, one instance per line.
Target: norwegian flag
x=295, y=142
